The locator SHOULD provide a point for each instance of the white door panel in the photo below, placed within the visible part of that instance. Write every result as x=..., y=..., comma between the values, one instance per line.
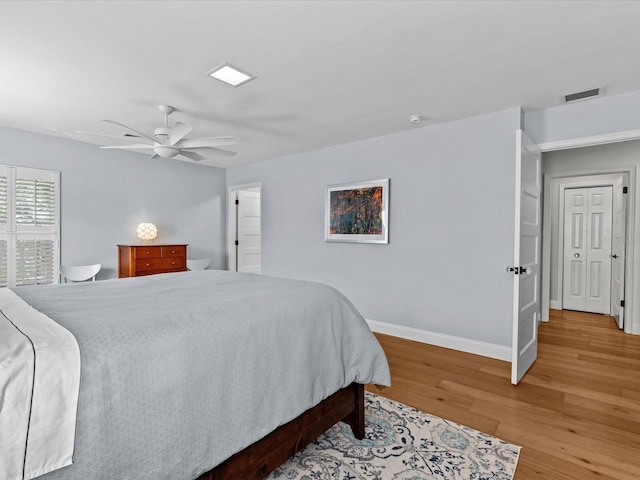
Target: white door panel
x=526, y=293
x=618, y=252
x=598, y=286
x=575, y=230
x=249, y=251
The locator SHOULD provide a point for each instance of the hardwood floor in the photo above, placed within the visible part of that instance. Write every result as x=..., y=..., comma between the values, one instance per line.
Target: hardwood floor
x=576, y=413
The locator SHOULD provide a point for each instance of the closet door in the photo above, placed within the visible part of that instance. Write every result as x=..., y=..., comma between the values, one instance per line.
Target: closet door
x=599, y=223
x=575, y=249
x=587, y=249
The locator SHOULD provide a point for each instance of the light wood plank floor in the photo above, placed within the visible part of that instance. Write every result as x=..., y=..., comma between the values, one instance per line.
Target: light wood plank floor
x=576, y=413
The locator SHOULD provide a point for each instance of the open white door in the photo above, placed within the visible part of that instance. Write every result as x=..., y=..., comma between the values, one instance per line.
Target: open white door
x=249, y=231
x=618, y=251
x=526, y=256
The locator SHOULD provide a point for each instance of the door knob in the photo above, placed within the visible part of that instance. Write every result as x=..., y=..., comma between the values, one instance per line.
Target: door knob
x=577, y=255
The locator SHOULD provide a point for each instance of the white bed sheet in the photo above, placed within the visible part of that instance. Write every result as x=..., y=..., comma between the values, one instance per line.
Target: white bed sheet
x=39, y=385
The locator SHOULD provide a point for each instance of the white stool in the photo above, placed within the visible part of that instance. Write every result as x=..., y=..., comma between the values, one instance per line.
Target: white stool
x=79, y=273
x=198, y=264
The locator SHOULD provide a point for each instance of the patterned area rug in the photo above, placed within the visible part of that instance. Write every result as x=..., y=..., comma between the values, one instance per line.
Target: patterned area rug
x=402, y=443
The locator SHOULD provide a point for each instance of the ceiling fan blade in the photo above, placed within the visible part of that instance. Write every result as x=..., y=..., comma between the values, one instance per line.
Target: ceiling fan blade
x=132, y=129
x=127, y=136
x=133, y=146
x=214, y=150
x=206, y=142
x=192, y=155
x=178, y=132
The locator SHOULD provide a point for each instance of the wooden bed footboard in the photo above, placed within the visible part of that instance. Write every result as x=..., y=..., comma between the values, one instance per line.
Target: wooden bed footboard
x=257, y=460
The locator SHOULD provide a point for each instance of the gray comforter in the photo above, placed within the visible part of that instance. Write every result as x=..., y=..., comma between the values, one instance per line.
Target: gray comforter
x=179, y=371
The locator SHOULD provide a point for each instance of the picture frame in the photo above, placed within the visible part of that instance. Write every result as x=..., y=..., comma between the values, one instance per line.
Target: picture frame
x=357, y=212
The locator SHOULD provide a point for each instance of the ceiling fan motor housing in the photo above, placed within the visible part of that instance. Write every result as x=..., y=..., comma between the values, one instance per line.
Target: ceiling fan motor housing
x=161, y=131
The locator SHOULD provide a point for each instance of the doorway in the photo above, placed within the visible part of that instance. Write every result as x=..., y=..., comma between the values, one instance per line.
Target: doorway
x=244, y=237
x=567, y=279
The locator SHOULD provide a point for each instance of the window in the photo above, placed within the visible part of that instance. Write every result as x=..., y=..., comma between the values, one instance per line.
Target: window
x=29, y=226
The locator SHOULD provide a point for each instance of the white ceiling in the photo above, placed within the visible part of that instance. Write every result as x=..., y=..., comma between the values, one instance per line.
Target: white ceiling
x=329, y=72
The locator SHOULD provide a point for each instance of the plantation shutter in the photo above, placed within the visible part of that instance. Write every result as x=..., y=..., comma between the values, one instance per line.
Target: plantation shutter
x=35, y=262
x=5, y=174
x=4, y=264
x=35, y=202
x=29, y=226
x=3, y=201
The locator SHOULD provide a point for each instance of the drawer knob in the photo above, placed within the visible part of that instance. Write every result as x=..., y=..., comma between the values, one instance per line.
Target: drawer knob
x=148, y=252
x=173, y=263
x=148, y=264
x=173, y=251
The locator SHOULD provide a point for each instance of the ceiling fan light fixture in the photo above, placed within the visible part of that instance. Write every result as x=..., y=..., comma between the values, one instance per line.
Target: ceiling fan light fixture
x=166, y=151
x=230, y=75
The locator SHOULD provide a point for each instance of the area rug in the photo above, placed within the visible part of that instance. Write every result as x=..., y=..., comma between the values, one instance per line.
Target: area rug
x=402, y=443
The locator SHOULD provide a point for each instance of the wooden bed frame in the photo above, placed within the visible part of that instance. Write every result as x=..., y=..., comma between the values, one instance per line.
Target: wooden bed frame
x=256, y=461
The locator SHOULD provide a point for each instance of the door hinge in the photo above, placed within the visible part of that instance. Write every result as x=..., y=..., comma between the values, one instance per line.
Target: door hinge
x=625, y=189
x=622, y=303
x=237, y=202
x=237, y=243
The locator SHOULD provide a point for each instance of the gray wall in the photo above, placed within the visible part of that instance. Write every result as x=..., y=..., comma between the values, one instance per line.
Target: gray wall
x=586, y=118
x=451, y=225
x=105, y=194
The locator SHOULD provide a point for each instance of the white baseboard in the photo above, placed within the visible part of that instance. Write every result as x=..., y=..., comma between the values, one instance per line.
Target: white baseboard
x=441, y=340
x=555, y=304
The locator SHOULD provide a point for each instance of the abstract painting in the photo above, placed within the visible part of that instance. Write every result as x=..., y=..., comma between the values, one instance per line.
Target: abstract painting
x=358, y=212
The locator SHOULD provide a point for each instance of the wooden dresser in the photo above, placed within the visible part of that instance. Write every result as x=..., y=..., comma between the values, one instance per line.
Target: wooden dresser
x=139, y=260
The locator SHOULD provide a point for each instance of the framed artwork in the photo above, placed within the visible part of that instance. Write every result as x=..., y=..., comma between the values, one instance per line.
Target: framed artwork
x=358, y=212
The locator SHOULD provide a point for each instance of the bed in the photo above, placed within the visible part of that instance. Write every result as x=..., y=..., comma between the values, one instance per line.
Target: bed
x=207, y=374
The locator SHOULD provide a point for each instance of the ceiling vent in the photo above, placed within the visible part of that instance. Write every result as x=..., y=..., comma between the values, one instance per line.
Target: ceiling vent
x=574, y=97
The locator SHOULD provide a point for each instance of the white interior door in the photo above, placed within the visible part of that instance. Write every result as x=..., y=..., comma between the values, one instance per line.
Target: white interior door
x=249, y=232
x=526, y=266
x=587, y=250
x=618, y=251
x=575, y=249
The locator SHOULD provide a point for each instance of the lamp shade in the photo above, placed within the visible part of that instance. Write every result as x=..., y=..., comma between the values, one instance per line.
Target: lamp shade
x=147, y=231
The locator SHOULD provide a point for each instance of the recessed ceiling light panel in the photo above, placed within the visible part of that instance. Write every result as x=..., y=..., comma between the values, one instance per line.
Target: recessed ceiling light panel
x=230, y=75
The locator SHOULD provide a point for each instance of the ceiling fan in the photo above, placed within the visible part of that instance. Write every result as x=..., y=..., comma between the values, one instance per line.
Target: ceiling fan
x=170, y=142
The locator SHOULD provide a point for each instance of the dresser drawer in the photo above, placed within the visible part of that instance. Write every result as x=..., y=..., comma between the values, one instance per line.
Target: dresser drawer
x=147, y=252
x=157, y=264
x=174, y=251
